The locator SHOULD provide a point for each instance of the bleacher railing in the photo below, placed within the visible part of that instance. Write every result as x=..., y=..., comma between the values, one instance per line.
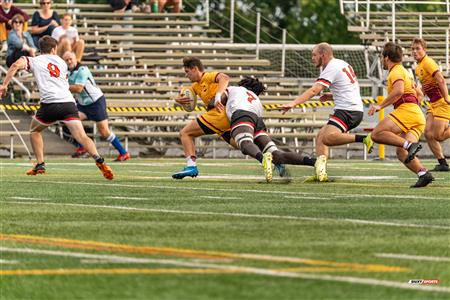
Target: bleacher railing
x=416, y=19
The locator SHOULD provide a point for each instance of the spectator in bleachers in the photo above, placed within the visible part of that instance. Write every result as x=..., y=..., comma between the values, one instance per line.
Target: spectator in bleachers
x=20, y=42
x=44, y=21
x=7, y=12
x=120, y=6
x=164, y=4
x=68, y=39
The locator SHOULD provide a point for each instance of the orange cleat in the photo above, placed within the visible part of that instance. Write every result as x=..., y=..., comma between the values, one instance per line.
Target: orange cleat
x=123, y=157
x=37, y=169
x=106, y=170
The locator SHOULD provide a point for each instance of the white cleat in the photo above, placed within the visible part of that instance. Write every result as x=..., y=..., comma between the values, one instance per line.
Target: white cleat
x=321, y=168
x=267, y=164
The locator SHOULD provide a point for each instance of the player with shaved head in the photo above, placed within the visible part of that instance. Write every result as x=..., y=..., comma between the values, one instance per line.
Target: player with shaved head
x=340, y=78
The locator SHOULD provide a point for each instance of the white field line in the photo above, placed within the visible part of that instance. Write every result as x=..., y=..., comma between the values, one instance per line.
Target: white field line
x=29, y=198
x=8, y=262
x=307, y=197
x=221, y=198
x=126, y=198
x=413, y=257
x=215, y=190
x=257, y=271
x=239, y=215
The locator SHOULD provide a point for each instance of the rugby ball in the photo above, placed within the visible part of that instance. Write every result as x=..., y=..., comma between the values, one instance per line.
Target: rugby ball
x=189, y=93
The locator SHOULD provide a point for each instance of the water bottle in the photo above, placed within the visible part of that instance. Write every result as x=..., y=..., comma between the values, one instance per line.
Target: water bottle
x=155, y=7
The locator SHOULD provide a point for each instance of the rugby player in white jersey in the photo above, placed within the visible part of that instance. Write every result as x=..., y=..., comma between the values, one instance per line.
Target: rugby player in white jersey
x=339, y=77
x=56, y=104
x=245, y=111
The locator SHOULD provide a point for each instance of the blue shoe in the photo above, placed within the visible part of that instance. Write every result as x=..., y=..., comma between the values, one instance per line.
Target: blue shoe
x=281, y=169
x=188, y=171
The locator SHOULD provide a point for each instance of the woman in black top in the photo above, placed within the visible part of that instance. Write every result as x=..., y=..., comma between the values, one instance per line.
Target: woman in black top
x=44, y=21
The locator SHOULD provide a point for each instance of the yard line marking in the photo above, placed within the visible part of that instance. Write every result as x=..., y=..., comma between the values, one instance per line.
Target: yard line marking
x=231, y=190
x=367, y=177
x=307, y=197
x=126, y=198
x=221, y=198
x=60, y=271
x=29, y=198
x=413, y=257
x=8, y=262
x=228, y=214
x=217, y=255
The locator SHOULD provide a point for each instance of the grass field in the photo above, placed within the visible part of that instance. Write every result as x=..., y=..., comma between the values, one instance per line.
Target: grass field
x=70, y=234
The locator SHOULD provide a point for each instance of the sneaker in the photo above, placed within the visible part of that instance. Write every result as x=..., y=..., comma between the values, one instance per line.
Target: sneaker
x=412, y=151
x=281, y=170
x=423, y=180
x=441, y=168
x=369, y=143
x=80, y=152
x=37, y=169
x=321, y=168
x=267, y=165
x=106, y=170
x=187, y=171
x=123, y=157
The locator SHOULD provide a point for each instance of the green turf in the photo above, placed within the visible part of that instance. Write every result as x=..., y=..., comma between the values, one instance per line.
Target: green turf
x=228, y=209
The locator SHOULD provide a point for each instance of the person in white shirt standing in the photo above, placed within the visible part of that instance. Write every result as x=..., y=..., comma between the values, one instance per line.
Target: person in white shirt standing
x=57, y=103
x=339, y=77
x=68, y=39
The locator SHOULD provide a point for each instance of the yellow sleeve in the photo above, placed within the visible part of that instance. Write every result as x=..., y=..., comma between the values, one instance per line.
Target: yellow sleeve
x=396, y=75
x=430, y=66
x=210, y=77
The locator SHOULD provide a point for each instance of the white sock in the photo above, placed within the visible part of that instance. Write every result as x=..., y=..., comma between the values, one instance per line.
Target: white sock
x=421, y=172
x=406, y=145
x=190, y=162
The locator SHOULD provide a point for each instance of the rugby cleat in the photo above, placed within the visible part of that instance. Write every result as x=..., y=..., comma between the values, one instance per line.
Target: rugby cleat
x=321, y=168
x=80, y=153
x=412, y=151
x=281, y=169
x=106, y=170
x=187, y=171
x=123, y=157
x=369, y=143
x=441, y=168
x=423, y=180
x=37, y=169
x=267, y=165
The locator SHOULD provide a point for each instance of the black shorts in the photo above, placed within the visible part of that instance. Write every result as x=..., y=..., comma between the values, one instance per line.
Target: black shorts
x=345, y=120
x=247, y=118
x=49, y=113
x=95, y=111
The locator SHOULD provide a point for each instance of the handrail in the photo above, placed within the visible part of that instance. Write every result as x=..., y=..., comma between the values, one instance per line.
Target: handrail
x=20, y=84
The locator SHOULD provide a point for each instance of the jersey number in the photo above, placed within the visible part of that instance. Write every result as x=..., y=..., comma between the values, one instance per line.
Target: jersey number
x=54, y=70
x=250, y=97
x=350, y=73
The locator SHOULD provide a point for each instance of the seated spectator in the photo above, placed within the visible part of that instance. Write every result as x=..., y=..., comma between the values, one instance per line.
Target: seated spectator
x=67, y=37
x=163, y=4
x=44, y=21
x=120, y=6
x=7, y=12
x=20, y=43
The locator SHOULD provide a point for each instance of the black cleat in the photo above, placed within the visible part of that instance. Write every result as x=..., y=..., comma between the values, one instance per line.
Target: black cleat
x=423, y=180
x=412, y=151
x=441, y=168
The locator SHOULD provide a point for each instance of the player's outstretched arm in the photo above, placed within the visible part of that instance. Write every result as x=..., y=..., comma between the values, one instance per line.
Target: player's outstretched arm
x=308, y=94
x=20, y=64
x=397, y=91
x=76, y=88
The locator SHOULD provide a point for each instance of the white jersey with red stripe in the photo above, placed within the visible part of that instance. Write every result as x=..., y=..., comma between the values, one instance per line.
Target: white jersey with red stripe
x=339, y=76
x=51, y=75
x=239, y=98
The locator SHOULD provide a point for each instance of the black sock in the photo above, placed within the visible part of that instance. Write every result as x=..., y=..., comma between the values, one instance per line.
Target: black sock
x=98, y=159
x=359, y=138
x=443, y=162
x=42, y=164
x=259, y=157
x=309, y=161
